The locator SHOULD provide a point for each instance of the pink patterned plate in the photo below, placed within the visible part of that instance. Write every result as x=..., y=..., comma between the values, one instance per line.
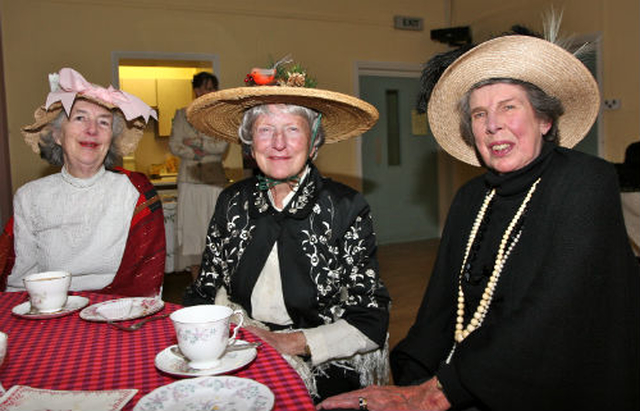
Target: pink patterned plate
x=136, y=307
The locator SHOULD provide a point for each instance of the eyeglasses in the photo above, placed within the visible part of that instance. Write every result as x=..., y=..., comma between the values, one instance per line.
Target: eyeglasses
x=269, y=132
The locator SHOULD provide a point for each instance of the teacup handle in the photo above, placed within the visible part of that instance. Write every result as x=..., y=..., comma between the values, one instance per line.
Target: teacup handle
x=238, y=325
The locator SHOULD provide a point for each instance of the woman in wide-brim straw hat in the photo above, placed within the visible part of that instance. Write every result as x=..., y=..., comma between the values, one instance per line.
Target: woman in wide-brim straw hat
x=103, y=225
x=534, y=299
x=295, y=250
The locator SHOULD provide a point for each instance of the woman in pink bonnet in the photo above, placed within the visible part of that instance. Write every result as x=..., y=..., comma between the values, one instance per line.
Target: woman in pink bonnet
x=99, y=222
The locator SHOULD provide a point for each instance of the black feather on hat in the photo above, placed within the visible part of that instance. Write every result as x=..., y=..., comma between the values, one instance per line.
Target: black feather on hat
x=434, y=67
x=432, y=71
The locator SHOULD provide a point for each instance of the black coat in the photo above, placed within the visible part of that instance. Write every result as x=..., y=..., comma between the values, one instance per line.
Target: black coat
x=563, y=329
x=326, y=250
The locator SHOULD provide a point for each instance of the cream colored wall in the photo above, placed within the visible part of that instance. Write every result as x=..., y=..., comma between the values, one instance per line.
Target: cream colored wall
x=41, y=36
x=328, y=37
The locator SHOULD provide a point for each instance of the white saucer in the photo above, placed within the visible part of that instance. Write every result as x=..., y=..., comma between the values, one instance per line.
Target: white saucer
x=74, y=303
x=175, y=364
x=139, y=307
x=209, y=393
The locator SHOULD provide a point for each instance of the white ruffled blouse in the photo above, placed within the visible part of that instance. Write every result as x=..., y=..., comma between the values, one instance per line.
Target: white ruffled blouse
x=72, y=224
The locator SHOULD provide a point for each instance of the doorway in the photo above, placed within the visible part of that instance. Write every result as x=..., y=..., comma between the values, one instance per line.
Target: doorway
x=163, y=81
x=399, y=160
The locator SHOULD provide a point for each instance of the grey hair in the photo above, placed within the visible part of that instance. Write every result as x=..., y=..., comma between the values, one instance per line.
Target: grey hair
x=245, y=131
x=52, y=152
x=546, y=107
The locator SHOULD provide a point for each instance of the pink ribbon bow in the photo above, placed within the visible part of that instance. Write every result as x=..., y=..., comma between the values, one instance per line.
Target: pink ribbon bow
x=70, y=83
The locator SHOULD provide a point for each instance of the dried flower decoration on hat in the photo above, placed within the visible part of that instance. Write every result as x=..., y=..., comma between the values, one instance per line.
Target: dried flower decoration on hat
x=281, y=73
x=220, y=114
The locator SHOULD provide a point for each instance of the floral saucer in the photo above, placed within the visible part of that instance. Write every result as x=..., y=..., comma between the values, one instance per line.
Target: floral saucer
x=209, y=393
x=122, y=309
x=74, y=303
x=171, y=361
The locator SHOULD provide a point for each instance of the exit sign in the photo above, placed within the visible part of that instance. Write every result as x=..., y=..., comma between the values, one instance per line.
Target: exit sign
x=407, y=23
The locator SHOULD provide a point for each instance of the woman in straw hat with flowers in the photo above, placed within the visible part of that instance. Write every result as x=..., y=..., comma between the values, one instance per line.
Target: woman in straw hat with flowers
x=295, y=250
x=534, y=298
x=101, y=224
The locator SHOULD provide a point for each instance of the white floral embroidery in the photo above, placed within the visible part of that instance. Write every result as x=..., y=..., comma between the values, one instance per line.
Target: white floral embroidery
x=341, y=267
x=260, y=201
x=226, y=259
x=337, y=259
x=303, y=198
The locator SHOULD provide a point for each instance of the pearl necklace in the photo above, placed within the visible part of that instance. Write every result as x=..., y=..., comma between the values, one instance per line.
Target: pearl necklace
x=461, y=332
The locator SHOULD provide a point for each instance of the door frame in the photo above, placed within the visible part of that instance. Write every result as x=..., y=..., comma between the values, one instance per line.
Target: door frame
x=380, y=69
x=596, y=40
x=117, y=56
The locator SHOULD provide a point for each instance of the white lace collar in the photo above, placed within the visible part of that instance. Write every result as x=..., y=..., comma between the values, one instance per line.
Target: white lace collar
x=82, y=182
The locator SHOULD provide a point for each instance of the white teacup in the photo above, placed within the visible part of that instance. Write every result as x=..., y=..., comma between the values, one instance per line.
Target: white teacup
x=203, y=333
x=4, y=339
x=48, y=291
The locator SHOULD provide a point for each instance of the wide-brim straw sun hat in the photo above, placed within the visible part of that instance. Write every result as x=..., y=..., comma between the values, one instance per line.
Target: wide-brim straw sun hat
x=556, y=71
x=219, y=114
x=68, y=85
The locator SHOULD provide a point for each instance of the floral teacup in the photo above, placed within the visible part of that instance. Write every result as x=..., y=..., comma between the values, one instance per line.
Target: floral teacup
x=203, y=333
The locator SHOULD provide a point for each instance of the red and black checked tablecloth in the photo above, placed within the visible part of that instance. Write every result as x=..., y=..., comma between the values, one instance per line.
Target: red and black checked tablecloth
x=68, y=353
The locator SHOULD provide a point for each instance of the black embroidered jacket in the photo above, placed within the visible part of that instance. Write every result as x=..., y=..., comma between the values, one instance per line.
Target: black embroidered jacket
x=326, y=250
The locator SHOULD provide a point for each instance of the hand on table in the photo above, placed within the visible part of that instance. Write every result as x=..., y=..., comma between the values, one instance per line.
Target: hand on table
x=425, y=396
x=286, y=343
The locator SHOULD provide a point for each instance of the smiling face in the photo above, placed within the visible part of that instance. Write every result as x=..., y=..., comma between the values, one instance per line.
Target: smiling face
x=85, y=138
x=280, y=142
x=506, y=130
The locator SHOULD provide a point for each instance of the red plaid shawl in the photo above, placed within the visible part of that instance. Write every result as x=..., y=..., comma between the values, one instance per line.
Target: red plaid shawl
x=141, y=271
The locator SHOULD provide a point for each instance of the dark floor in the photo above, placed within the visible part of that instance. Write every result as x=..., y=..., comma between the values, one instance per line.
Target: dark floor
x=405, y=269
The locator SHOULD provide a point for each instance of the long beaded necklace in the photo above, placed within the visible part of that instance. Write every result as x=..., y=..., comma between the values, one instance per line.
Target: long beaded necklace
x=504, y=250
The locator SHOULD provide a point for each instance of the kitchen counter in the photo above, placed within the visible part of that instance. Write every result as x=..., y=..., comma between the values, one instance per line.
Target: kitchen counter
x=165, y=182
